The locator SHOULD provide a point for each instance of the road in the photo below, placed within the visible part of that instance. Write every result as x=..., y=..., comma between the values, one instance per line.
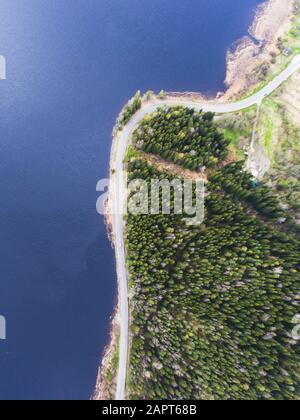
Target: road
x=118, y=192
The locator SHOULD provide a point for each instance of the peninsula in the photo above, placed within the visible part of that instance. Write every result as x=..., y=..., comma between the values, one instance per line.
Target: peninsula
x=206, y=313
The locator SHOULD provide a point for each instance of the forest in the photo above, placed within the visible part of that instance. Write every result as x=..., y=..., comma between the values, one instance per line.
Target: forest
x=183, y=136
x=211, y=305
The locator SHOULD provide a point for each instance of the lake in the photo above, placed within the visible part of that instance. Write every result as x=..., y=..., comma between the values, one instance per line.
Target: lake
x=71, y=65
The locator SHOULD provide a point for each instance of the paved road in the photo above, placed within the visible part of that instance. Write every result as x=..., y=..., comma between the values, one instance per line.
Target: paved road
x=118, y=192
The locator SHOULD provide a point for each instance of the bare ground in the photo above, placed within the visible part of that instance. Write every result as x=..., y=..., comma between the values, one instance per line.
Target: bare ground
x=273, y=20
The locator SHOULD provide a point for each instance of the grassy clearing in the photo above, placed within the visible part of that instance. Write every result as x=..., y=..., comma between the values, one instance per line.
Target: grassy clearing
x=132, y=153
x=268, y=126
x=237, y=128
x=279, y=131
x=268, y=134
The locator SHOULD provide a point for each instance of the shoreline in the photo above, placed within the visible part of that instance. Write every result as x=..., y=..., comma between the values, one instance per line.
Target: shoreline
x=235, y=89
x=103, y=390
x=256, y=52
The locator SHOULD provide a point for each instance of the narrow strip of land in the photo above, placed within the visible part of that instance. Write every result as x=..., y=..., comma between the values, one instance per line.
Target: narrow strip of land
x=118, y=191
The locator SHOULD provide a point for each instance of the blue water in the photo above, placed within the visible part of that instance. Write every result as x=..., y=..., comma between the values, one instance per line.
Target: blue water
x=71, y=65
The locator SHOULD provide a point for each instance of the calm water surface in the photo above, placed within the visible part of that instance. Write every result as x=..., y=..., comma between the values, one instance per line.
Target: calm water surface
x=71, y=65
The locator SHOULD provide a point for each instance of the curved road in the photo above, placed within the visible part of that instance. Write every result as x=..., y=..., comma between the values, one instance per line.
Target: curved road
x=118, y=192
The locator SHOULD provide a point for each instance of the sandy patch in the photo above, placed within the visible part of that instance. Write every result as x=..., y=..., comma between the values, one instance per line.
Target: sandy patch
x=172, y=169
